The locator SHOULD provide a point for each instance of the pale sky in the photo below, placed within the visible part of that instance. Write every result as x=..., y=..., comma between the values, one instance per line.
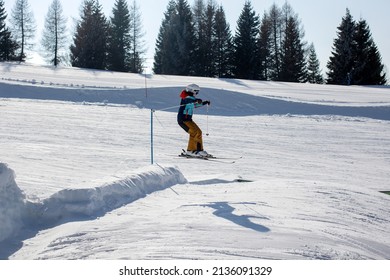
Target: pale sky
x=320, y=19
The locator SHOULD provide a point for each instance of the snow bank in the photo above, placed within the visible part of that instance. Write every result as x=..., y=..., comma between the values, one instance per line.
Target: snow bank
x=74, y=204
x=11, y=203
x=89, y=202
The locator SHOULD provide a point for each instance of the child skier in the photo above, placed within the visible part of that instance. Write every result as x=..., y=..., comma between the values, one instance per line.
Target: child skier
x=184, y=117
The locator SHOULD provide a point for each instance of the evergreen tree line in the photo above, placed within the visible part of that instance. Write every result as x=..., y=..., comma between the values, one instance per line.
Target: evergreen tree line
x=10, y=44
x=199, y=42
x=99, y=43
x=196, y=41
x=114, y=44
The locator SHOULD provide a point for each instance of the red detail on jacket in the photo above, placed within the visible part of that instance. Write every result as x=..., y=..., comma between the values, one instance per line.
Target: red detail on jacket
x=183, y=94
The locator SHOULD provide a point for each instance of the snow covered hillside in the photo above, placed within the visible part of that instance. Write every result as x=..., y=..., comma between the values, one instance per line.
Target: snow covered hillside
x=310, y=165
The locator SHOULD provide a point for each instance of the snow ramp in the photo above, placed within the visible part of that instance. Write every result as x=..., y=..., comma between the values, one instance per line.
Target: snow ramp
x=76, y=204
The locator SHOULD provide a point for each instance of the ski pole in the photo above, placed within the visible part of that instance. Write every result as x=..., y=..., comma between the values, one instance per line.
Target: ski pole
x=207, y=120
x=168, y=108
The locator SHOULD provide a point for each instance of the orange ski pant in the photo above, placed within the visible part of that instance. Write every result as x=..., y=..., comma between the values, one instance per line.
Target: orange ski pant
x=195, y=142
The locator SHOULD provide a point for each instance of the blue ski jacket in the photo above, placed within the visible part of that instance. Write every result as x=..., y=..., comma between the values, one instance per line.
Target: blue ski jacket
x=186, y=109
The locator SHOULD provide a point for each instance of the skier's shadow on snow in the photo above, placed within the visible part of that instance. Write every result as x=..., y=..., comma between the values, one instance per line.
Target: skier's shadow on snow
x=224, y=210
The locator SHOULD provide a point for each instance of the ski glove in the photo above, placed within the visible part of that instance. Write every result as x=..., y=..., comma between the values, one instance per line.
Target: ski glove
x=207, y=102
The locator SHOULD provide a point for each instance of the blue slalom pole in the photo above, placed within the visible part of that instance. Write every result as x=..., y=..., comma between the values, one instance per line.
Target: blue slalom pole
x=151, y=136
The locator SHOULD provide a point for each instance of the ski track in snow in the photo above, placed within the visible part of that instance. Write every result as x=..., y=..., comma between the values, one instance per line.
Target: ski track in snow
x=76, y=140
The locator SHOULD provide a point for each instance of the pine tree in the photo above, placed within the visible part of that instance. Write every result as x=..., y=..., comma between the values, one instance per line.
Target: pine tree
x=245, y=44
x=342, y=61
x=23, y=26
x=355, y=58
x=182, y=29
x=161, y=59
x=175, y=42
x=293, y=63
x=275, y=22
x=314, y=75
x=54, y=34
x=90, y=46
x=3, y=16
x=223, y=44
x=264, y=45
x=8, y=46
x=120, y=38
x=205, y=46
x=137, y=49
x=210, y=65
x=368, y=68
x=201, y=47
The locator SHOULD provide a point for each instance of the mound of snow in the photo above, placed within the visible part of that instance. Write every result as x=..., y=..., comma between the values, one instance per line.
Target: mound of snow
x=73, y=204
x=80, y=203
x=11, y=203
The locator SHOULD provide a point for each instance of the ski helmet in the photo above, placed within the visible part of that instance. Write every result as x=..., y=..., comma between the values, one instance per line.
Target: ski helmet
x=194, y=88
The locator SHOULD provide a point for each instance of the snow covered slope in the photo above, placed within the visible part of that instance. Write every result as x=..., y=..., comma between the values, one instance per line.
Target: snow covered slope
x=314, y=160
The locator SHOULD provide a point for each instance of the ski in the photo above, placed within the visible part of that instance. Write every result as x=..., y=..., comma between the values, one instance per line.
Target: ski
x=231, y=158
x=187, y=156
x=227, y=161
x=183, y=154
x=209, y=158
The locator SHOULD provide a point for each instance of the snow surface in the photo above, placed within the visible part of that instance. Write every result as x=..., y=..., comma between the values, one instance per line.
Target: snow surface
x=315, y=159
